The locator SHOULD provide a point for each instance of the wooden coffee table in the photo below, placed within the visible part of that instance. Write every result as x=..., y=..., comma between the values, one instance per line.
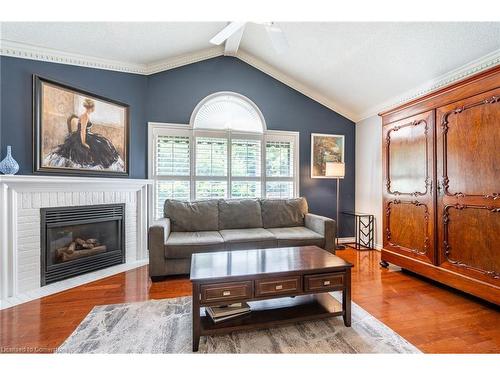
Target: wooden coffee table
x=282, y=286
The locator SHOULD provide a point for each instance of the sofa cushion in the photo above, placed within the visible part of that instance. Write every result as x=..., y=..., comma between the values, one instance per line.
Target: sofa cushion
x=183, y=244
x=252, y=238
x=192, y=216
x=280, y=213
x=239, y=214
x=297, y=236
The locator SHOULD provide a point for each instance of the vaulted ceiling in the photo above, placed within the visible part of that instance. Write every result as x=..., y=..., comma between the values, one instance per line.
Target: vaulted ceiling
x=359, y=68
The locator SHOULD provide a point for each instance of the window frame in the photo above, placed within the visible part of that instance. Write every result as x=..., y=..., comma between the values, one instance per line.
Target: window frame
x=156, y=129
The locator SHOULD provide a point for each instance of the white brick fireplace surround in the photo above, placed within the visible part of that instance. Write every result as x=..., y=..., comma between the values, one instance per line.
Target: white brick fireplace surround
x=21, y=198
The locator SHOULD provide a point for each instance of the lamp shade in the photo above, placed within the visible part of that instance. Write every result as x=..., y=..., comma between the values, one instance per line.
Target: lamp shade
x=334, y=169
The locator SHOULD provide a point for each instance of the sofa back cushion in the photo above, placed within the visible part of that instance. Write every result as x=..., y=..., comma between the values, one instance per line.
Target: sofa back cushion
x=239, y=214
x=280, y=213
x=192, y=216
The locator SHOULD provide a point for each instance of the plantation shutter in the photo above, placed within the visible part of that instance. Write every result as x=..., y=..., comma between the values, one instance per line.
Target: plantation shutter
x=211, y=167
x=172, y=156
x=280, y=168
x=172, y=170
x=279, y=159
x=211, y=156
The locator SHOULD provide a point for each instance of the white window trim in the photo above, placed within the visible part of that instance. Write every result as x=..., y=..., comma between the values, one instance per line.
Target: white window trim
x=157, y=128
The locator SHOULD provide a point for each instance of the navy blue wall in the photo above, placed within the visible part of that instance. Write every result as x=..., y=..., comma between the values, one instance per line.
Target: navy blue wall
x=16, y=126
x=172, y=96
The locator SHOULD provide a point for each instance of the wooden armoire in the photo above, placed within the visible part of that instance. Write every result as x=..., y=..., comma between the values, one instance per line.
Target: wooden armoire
x=441, y=193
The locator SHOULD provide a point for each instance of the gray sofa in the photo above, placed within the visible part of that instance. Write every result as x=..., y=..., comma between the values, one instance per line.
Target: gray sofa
x=235, y=224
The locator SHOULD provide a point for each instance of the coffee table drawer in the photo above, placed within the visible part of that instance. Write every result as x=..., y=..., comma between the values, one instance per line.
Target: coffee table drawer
x=278, y=286
x=324, y=281
x=226, y=291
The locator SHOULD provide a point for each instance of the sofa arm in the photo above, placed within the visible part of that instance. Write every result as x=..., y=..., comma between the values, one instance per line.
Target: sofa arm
x=157, y=237
x=324, y=226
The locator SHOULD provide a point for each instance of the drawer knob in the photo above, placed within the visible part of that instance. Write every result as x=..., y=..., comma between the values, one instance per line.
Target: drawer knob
x=279, y=287
x=326, y=282
x=226, y=293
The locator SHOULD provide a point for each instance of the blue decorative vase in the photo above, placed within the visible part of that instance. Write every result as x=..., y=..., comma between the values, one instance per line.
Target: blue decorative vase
x=9, y=165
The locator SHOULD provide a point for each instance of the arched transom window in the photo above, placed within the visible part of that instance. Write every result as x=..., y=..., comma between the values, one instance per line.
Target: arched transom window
x=225, y=152
x=228, y=111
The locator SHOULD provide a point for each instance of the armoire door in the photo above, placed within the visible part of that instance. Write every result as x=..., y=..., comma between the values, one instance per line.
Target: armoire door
x=468, y=170
x=408, y=192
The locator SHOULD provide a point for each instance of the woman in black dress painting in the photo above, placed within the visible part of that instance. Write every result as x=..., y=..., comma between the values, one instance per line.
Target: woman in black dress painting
x=84, y=149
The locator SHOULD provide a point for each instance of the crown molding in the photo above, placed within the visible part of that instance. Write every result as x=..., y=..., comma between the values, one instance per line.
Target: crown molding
x=185, y=59
x=27, y=51
x=486, y=62
x=293, y=83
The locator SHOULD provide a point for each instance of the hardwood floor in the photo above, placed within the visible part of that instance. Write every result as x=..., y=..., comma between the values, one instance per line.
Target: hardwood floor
x=432, y=317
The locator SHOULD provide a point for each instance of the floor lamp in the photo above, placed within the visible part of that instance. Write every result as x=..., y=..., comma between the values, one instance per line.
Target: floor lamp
x=336, y=170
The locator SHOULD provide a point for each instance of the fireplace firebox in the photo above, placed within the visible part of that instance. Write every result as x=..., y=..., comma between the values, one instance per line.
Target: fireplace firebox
x=80, y=239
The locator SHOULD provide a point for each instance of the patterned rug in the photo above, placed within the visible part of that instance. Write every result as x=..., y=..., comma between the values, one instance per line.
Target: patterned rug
x=164, y=326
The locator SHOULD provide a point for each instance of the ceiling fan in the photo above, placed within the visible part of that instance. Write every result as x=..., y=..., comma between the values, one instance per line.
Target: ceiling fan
x=232, y=33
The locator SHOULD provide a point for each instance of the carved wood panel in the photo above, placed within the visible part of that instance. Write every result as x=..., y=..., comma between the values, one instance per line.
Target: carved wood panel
x=407, y=155
x=468, y=168
x=408, y=228
x=408, y=193
x=468, y=145
x=470, y=240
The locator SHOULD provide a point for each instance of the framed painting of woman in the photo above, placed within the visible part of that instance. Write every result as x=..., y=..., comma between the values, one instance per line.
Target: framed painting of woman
x=78, y=133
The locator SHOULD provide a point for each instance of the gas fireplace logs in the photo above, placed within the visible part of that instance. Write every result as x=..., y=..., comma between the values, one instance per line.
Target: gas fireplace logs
x=80, y=248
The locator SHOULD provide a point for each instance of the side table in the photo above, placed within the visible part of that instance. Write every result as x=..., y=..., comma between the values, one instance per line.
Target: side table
x=364, y=230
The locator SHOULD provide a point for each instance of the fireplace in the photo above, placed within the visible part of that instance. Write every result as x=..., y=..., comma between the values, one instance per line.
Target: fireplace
x=80, y=239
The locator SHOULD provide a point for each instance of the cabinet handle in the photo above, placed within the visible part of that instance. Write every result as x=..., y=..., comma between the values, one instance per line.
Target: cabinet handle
x=226, y=293
x=326, y=282
x=279, y=287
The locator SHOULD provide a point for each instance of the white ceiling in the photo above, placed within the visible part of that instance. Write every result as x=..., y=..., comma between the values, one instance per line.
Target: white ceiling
x=131, y=42
x=357, y=66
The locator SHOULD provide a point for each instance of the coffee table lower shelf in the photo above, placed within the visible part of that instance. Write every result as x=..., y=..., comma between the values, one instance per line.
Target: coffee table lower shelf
x=272, y=312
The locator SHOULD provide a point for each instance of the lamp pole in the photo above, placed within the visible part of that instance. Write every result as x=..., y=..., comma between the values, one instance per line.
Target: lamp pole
x=338, y=246
x=336, y=170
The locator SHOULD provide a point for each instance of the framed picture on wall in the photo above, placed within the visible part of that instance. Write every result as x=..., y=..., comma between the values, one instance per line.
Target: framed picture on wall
x=78, y=133
x=325, y=148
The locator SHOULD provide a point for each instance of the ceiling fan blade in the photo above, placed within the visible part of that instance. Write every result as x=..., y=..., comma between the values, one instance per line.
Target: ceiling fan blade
x=233, y=42
x=277, y=36
x=226, y=32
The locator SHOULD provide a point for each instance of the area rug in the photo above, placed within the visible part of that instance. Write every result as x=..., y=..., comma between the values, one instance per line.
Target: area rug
x=164, y=326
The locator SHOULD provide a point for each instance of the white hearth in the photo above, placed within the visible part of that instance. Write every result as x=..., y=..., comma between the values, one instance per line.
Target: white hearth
x=21, y=198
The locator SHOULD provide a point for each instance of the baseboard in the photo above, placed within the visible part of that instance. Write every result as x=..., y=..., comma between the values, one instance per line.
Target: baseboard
x=347, y=239
x=69, y=283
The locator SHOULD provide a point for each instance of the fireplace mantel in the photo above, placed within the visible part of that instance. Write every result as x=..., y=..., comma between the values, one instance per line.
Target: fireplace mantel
x=21, y=198
x=49, y=183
